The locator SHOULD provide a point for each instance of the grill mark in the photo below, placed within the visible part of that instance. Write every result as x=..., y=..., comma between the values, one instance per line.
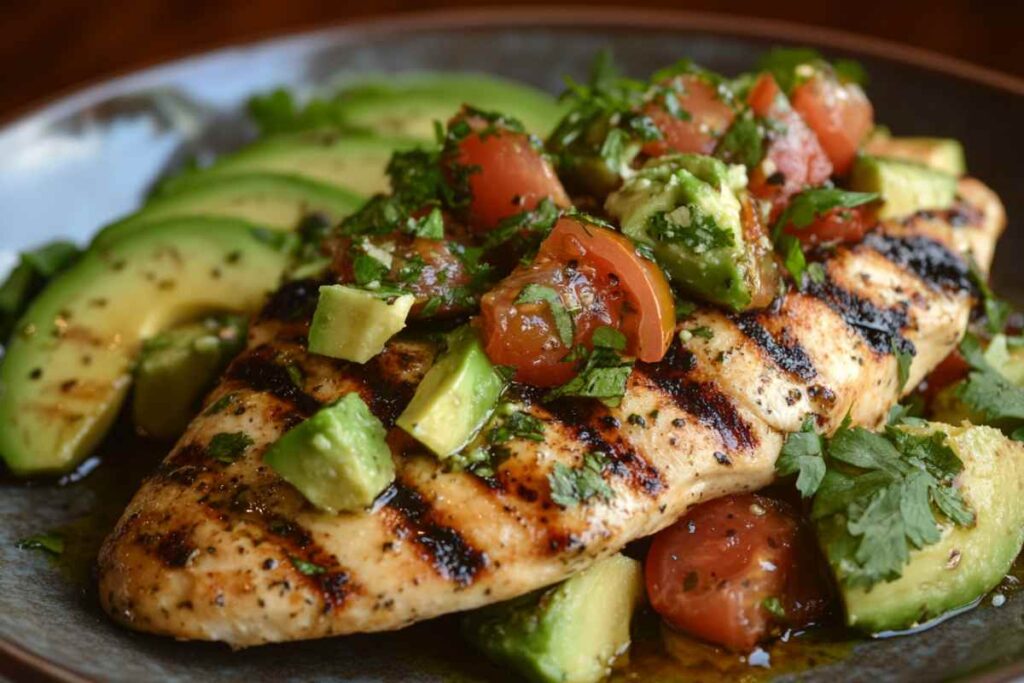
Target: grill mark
x=960, y=215
x=930, y=260
x=259, y=370
x=787, y=354
x=443, y=547
x=881, y=328
x=385, y=397
x=590, y=423
x=175, y=548
x=292, y=301
x=703, y=400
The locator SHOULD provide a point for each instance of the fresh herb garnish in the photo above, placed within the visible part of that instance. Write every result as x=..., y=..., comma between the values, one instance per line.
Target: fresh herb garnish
x=878, y=493
x=50, y=542
x=793, y=66
x=743, y=142
x=534, y=294
x=904, y=359
x=805, y=207
x=220, y=404
x=572, y=486
x=986, y=392
x=604, y=373
x=227, y=447
x=517, y=425
x=367, y=269
x=535, y=224
x=997, y=311
x=305, y=567
x=773, y=606
x=690, y=226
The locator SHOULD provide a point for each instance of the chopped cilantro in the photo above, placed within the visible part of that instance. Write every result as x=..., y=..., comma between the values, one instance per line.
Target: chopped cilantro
x=305, y=567
x=50, y=542
x=536, y=222
x=690, y=226
x=220, y=404
x=816, y=272
x=429, y=227
x=604, y=373
x=367, y=269
x=572, y=486
x=227, y=447
x=809, y=204
x=684, y=309
x=295, y=374
x=743, y=142
x=704, y=332
x=793, y=257
x=997, y=311
x=802, y=454
x=534, y=293
x=989, y=394
x=904, y=359
x=773, y=606
x=785, y=65
x=518, y=425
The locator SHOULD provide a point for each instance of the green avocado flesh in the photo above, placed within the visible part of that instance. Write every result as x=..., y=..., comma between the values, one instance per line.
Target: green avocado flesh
x=354, y=324
x=455, y=398
x=941, y=154
x=967, y=562
x=175, y=369
x=271, y=201
x=703, y=251
x=409, y=104
x=338, y=459
x=906, y=187
x=69, y=364
x=355, y=163
x=571, y=633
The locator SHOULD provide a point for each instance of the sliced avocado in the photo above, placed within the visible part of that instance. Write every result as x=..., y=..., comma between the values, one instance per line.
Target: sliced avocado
x=175, y=369
x=455, y=397
x=906, y=187
x=352, y=162
x=354, y=324
x=687, y=209
x=69, y=364
x=571, y=633
x=967, y=562
x=272, y=201
x=941, y=154
x=338, y=459
x=409, y=104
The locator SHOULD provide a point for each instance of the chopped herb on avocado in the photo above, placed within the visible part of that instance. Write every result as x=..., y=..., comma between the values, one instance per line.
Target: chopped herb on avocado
x=690, y=226
x=577, y=485
x=604, y=371
x=227, y=447
x=535, y=294
x=50, y=542
x=887, y=487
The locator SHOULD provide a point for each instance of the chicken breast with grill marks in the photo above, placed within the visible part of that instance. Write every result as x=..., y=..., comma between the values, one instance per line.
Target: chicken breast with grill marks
x=230, y=552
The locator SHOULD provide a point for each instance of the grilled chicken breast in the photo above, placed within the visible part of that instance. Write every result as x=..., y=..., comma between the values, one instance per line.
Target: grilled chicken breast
x=229, y=552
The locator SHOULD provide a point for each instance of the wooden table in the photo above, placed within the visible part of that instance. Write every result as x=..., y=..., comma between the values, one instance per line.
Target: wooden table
x=49, y=46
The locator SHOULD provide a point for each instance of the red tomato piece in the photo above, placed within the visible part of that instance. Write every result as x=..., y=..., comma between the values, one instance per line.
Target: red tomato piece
x=840, y=224
x=716, y=573
x=597, y=274
x=703, y=118
x=507, y=175
x=951, y=370
x=794, y=158
x=839, y=113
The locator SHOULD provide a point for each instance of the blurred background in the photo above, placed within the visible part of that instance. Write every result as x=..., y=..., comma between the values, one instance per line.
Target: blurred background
x=48, y=46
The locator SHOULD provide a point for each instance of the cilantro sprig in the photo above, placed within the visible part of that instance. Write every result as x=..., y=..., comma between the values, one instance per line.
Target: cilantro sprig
x=988, y=394
x=878, y=495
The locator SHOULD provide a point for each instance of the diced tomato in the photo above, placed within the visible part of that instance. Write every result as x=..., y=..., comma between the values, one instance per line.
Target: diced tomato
x=840, y=224
x=794, y=158
x=598, y=276
x=763, y=278
x=701, y=119
x=722, y=572
x=951, y=370
x=839, y=113
x=506, y=174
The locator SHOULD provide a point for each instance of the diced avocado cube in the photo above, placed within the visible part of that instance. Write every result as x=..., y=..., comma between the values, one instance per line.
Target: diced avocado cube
x=941, y=154
x=338, y=459
x=687, y=208
x=354, y=324
x=455, y=397
x=571, y=633
x=176, y=368
x=967, y=562
x=906, y=187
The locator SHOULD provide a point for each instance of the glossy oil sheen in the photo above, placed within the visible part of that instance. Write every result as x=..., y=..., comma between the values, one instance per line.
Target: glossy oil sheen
x=89, y=159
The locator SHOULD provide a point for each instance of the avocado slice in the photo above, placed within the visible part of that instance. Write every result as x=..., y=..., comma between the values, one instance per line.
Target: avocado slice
x=69, y=364
x=687, y=209
x=906, y=187
x=571, y=633
x=338, y=459
x=941, y=154
x=967, y=562
x=272, y=201
x=455, y=398
x=408, y=104
x=354, y=324
x=352, y=162
x=175, y=369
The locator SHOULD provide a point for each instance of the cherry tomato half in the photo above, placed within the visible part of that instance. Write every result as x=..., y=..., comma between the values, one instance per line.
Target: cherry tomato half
x=725, y=570
x=507, y=175
x=839, y=113
x=794, y=158
x=701, y=118
x=598, y=277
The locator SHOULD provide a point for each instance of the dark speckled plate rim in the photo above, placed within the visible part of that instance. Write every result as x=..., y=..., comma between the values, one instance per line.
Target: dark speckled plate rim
x=18, y=663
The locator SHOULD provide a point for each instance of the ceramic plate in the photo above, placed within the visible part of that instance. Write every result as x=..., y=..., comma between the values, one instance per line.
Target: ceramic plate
x=87, y=158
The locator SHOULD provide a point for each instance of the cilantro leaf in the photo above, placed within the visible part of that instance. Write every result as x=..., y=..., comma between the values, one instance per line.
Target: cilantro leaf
x=793, y=257
x=572, y=486
x=809, y=204
x=305, y=567
x=227, y=447
x=604, y=373
x=517, y=425
x=534, y=293
x=743, y=142
x=803, y=454
x=50, y=542
x=785, y=64
x=904, y=359
x=994, y=398
x=997, y=311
